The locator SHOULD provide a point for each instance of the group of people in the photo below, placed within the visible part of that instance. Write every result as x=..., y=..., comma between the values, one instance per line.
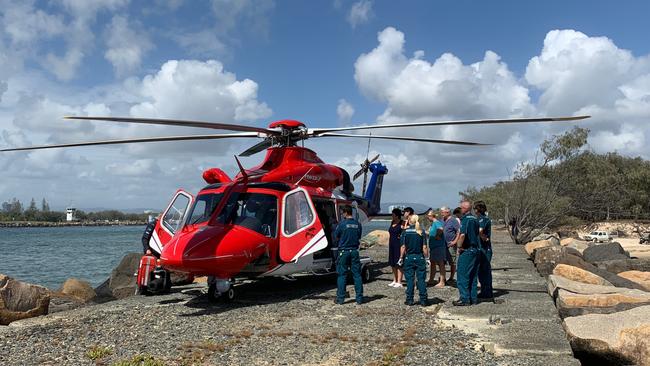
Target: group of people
x=458, y=238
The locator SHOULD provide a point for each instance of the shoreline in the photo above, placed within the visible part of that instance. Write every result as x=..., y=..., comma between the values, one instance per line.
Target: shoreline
x=28, y=224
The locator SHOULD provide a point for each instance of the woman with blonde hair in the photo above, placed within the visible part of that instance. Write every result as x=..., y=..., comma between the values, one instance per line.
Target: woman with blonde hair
x=412, y=255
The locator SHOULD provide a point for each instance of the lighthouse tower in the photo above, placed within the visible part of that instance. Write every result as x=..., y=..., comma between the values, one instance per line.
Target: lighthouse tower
x=69, y=214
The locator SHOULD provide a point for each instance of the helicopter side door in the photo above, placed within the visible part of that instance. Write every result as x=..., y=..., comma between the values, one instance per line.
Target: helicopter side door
x=171, y=220
x=301, y=231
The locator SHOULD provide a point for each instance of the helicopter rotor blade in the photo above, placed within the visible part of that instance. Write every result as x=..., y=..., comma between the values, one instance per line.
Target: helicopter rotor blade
x=321, y=131
x=417, y=139
x=263, y=145
x=358, y=174
x=373, y=159
x=176, y=122
x=136, y=140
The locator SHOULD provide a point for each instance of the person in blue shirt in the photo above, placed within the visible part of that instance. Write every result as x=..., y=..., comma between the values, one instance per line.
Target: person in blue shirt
x=451, y=233
x=412, y=256
x=485, y=251
x=348, y=234
x=468, y=249
x=437, y=249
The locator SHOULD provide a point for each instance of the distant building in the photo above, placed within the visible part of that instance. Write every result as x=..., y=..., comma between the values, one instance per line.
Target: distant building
x=69, y=214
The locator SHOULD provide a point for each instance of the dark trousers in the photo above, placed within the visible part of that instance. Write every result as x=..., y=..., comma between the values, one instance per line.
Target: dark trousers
x=348, y=260
x=485, y=272
x=415, y=265
x=467, y=270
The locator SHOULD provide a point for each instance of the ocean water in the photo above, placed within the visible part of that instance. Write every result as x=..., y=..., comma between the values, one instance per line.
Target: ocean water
x=49, y=256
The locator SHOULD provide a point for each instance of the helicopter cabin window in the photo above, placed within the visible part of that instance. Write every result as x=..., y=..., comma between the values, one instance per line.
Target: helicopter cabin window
x=254, y=211
x=173, y=219
x=297, y=212
x=204, y=207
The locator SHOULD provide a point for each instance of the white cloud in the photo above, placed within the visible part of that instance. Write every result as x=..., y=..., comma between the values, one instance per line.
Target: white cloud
x=415, y=88
x=574, y=74
x=360, y=13
x=345, y=111
x=201, y=43
x=25, y=24
x=126, y=47
x=191, y=89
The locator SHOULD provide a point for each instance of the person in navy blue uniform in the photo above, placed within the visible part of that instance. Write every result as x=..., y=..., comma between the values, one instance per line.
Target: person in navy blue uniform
x=485, y=251
x=468, y=257
x=348, y=234
x=414, y=257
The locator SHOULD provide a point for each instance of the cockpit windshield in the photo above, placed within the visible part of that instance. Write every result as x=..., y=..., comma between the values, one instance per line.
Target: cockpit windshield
x=204, y=207
x=254, y=211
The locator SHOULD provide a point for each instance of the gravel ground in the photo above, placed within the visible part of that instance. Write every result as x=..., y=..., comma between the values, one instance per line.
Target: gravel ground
x=272, y=322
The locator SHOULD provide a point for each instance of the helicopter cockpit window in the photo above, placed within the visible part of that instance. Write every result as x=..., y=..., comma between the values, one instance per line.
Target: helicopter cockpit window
x=254, y=211
x=297, y=212
x=173, y=219
x=204, y=208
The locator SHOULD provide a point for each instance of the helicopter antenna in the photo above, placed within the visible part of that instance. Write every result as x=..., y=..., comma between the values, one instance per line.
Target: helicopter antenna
x=303, y=177
x=241, y=169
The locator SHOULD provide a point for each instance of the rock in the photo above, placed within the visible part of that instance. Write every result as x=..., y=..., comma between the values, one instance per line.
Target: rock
x=104, y=292
x=62, y=302
x=580, y=275
x=624, y=265
x=123, y=282
x=574, y=304
x=576, y=261
x=201, y=280
x=180, y=278
x=19, y=300
x=555, y=283
x=642, y=278
x=621, y=338
x=376, y=237
x=579, y=245
x=553, y=238
x=546, y=258
x=533, y=245
x=604, y=252
x=78, y=289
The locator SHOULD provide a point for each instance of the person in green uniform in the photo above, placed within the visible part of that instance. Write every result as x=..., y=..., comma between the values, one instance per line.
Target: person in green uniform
x=414, y=255
x=348, y=234
x=468, y=249
x=485, y=251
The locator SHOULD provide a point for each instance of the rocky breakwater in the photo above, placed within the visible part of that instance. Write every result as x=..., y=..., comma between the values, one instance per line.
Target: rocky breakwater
x=602, y=295
x=20, y=300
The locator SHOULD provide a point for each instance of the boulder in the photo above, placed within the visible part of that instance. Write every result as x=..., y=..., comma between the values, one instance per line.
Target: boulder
x=553, y=238
x=123, y=282
x=375, y=237
x=574, y=304
x=555, y=283
x=604, y=252
x=78, y=289
x=579, y=245
x=533, y=245
x=546, y=258
x=612, y=278
x=642, y=278
x=19, y=300
x=580, y=275
x=104, y=292
x=621, y=338
x=624, y=265
x=181, y=278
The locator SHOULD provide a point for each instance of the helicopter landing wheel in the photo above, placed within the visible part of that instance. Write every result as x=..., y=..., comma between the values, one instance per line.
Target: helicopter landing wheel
x=229, y=295
x=365, y=274
x=214, y=296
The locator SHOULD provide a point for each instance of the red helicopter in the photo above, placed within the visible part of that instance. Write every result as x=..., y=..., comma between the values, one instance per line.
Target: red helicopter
x=275, y=219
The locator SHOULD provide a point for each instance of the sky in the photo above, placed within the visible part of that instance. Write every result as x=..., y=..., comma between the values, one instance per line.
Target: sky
x=326, y=63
